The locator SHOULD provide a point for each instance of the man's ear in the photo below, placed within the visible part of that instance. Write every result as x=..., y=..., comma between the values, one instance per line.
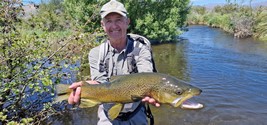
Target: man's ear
x=102, y=23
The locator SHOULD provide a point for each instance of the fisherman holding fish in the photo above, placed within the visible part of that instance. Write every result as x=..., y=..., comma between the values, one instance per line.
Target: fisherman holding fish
x=116, y=49
x=120, y=54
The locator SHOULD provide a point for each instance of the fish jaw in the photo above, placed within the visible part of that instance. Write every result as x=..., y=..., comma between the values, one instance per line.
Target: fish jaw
x=184, y=103
x=179, y=101
x=191, y=105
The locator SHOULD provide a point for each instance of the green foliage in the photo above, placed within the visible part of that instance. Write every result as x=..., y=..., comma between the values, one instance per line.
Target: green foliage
x=241, y=21
x=260, y=23
x=199, y=10
x=220, y=21
x=84, y=12
x=226, y=9
x=33, y=52
x=159, y=24
x=50, y=17
x=195, y=19
x=36, y=49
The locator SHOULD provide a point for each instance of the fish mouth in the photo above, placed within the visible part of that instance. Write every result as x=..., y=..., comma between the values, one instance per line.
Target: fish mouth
x=186, y=103
x=189, y=104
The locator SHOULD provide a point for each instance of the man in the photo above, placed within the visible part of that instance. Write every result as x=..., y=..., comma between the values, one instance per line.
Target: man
x=115, y=23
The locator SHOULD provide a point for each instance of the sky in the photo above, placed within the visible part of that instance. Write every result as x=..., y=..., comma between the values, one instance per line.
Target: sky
x=195, y=2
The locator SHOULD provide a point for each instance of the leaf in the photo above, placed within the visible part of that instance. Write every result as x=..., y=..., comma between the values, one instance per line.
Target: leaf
x=47, y=81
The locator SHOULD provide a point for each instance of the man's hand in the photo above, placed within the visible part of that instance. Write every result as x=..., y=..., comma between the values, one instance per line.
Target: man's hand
x=75, y=95
x=151, y=101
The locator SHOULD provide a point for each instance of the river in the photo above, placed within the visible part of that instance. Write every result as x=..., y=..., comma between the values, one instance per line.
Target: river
x=231, y=72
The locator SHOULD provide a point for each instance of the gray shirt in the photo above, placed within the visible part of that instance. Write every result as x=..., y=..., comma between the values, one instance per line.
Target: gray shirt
x=117, y=64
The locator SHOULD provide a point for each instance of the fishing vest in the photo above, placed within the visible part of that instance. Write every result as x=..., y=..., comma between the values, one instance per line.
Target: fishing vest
x=132, y=54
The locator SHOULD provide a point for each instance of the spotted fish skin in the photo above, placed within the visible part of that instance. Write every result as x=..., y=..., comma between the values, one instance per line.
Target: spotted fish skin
x=133, y=87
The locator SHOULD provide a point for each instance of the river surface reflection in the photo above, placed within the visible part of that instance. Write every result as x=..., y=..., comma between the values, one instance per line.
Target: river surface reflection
x=231, y=72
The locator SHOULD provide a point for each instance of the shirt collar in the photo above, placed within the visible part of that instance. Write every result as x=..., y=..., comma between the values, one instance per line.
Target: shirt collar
x=124, y=50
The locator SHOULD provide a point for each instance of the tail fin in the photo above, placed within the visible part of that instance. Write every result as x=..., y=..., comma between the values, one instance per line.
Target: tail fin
x=62, y=92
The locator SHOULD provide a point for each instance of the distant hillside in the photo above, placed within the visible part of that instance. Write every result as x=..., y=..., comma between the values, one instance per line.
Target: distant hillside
x=254, y=4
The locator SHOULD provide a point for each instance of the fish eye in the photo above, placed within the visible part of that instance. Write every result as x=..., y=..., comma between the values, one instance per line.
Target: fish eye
x=179, y=92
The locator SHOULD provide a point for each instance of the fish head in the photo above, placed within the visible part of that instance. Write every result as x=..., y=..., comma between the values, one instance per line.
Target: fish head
x=174, y=91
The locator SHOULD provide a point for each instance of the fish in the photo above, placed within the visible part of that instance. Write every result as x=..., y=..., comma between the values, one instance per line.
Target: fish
x=121, y=89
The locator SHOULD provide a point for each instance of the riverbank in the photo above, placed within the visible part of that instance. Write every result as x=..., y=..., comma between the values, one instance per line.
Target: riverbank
x=240, y=20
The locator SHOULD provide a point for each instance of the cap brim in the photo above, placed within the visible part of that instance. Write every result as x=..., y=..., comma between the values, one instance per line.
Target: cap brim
x=104, y=14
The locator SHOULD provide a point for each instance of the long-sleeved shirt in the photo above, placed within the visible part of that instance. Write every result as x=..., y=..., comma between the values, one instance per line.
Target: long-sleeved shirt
x=117, y=63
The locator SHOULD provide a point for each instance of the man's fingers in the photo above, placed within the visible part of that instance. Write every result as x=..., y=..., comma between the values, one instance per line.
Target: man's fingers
x=157, y=104
x=75, y=85
x=145, y=99
x=154, y=102
x=151, y=101
x=77, y=95
x=71, y=98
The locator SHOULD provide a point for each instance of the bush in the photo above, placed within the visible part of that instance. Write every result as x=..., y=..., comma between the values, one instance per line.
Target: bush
x=160, y=24
x=32, y=63
x=242, y=21
x=243, y=26
x=260, y=23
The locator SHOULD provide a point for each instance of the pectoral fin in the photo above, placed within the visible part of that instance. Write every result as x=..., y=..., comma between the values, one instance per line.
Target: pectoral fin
x=86, y=103
x=114, y=111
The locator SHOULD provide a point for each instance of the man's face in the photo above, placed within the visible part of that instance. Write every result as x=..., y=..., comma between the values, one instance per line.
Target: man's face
x=115, y=26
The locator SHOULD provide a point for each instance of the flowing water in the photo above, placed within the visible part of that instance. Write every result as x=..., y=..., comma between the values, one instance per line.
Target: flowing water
x=231, y=72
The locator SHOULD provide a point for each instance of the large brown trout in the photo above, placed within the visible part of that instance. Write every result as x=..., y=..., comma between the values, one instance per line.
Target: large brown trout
x=130, y=88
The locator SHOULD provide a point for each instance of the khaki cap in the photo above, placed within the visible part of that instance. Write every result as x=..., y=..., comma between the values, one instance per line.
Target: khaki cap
x=113, y=6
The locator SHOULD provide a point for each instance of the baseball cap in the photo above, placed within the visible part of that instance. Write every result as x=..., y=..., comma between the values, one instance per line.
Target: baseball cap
x=113, y=6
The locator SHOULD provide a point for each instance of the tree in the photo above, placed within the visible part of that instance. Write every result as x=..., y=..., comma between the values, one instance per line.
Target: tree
x=84, y=12
x=159, y=24
x=157, y=19
x=32, y=59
